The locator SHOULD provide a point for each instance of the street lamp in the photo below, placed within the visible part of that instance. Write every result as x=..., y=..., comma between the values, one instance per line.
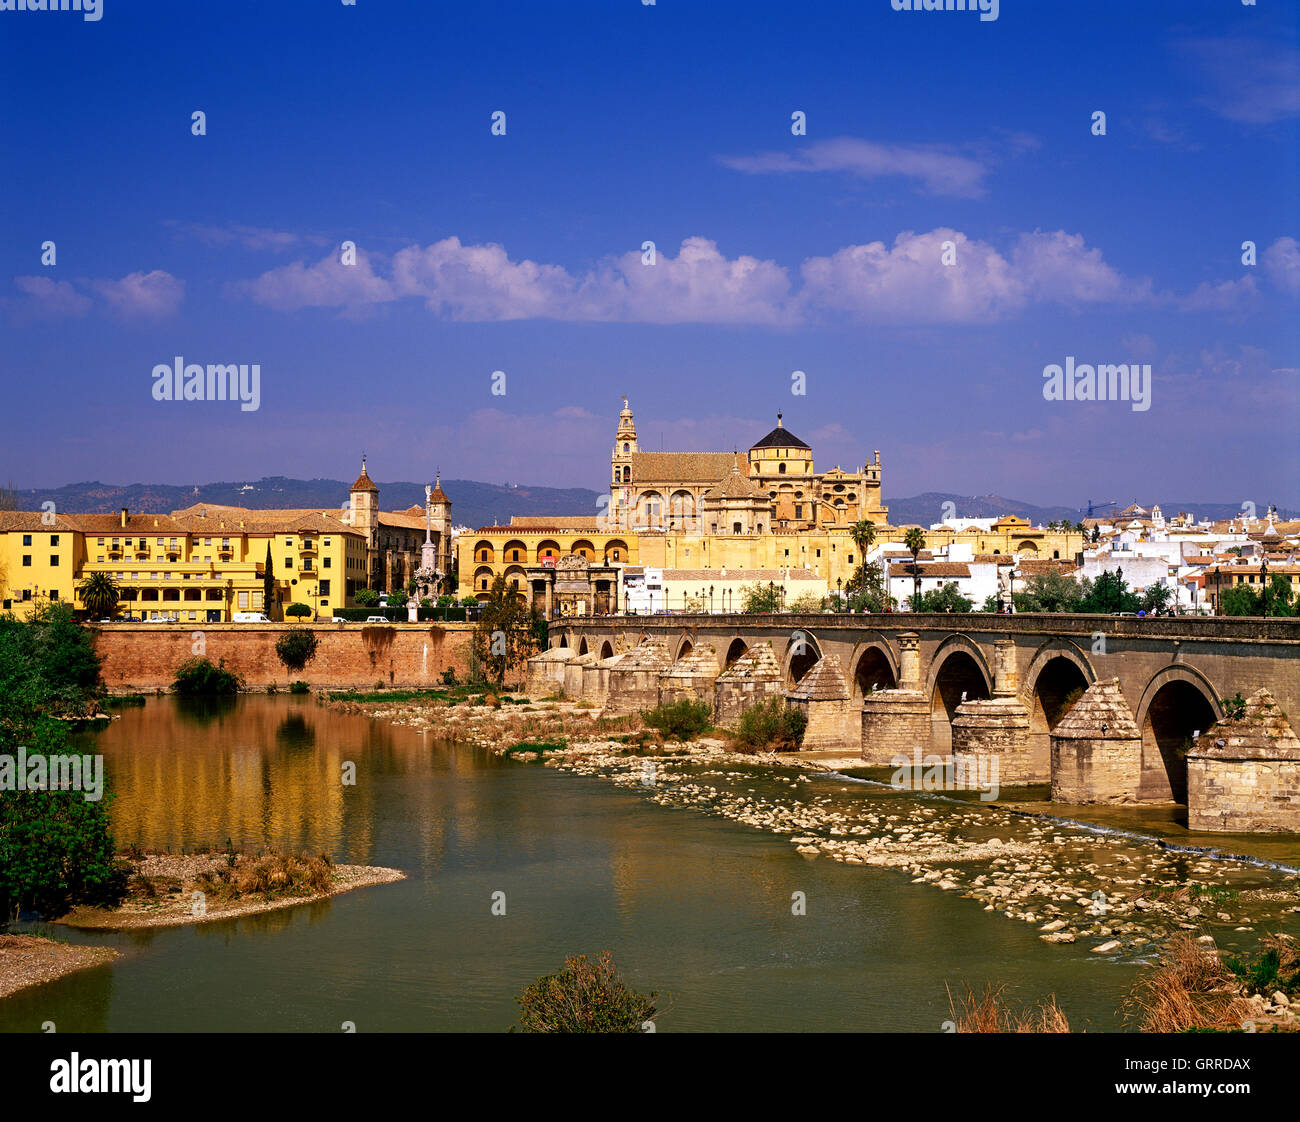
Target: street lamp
x=1263, y=579
x=710, y=599
x=1012, y=573
x=839, y=593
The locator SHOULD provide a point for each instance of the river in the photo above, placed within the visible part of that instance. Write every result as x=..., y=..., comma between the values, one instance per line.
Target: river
x=692, y=904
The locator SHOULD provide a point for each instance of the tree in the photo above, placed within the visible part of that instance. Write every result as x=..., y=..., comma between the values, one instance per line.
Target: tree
x=866, y=589
x=759, y=598
x=56, y=846
x=503, y=636
x=945, y=599
x=1108, y=594
x=366, y=597
x=1240, y=600
x=1155, y=598
x=807, y=602
x=296, y=647
x=1096, y=533
x=1050, y=591
x=914, y=539
x=863, y=534
x=268, y=584
x=297, y=610
x=100, y=594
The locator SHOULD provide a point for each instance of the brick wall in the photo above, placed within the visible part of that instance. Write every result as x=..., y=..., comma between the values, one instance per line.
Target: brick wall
x=349, y=656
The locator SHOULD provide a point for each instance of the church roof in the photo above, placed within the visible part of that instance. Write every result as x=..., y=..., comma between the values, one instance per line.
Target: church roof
x=736, y=485
x=780, y=437
x=680, y=467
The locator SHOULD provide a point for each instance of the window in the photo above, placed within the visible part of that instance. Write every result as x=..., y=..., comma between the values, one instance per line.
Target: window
x=54, y=560
x=514, y=555
x=100, y=559
x=781, y=468
x=288, y=541
x=325, y=587
x=54, y=593
x=326, y=563
x=54, y=539
x=735, y=527
x=160, y=541
x=27, y=539
x=798, y=510
x=819, y=553
x=99, y=541
x=288, y=562
x=27, y=560
x=325, y=542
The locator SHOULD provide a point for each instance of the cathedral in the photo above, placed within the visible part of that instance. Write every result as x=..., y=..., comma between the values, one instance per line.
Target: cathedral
x=772, y=487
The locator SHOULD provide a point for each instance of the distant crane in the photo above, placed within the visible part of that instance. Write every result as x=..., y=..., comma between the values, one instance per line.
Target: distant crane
x=1098, y=506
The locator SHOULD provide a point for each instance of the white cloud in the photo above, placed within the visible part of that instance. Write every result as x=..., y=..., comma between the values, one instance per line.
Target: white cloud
x=1281, y=262
x=1253, y=81
x=151, y=295
x=49, y=299
x=326, y=284
x=938, y=170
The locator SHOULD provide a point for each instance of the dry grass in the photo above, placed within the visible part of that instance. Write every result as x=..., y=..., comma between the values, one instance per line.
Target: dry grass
x=990, y=1011
x=1189, y=988
x=269, y=876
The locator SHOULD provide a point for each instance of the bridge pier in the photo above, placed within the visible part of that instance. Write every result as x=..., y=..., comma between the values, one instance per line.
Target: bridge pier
x=1097, y=749
x=822, y=696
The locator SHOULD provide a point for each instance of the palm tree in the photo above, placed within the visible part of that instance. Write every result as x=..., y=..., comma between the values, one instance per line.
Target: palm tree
x=100, y=594
x=914, y=539
x=863, y=534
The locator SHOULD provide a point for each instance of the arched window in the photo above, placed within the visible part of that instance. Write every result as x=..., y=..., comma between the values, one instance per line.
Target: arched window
x=780, y=468
x=625, y=448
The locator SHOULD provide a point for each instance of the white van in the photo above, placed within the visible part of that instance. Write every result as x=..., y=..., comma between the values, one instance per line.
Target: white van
x=249, y=617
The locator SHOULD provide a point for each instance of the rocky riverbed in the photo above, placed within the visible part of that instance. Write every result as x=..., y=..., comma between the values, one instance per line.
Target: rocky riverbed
x=1118, y=894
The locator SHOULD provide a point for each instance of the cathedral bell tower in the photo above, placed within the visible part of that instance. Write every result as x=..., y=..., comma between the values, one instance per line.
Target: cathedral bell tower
x=620, y=489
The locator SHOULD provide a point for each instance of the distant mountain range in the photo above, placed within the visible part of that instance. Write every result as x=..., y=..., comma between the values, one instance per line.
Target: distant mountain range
x=484, y=504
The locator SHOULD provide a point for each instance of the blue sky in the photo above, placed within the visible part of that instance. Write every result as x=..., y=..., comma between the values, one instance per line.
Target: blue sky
x=671, y=123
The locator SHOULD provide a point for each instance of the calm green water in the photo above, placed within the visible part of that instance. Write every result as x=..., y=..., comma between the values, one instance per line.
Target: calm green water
x=691, y=904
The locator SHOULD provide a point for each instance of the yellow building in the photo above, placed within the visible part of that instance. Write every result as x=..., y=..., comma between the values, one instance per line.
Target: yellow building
x=711, y=511
x=198, y=566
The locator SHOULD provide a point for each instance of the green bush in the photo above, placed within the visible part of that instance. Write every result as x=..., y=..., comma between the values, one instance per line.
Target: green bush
x=199, y=677
x=296, y=647
x=449, y=676
x=585, y=997
x=770, y=726
x=681, y=720
x=366, y=597
x=299, y=687
x=297, y=611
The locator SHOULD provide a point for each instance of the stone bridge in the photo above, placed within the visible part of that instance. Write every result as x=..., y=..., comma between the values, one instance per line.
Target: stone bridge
x=958, y=686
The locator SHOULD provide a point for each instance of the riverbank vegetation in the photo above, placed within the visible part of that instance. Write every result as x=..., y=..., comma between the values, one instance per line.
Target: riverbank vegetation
x=56, y=845
x=171, y=889
x=1190, y=987
x=586, y=996
x=683, y=719
x=769, y=726
x=201, y=677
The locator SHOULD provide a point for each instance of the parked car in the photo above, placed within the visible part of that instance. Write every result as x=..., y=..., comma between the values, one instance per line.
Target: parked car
x=376, y=619
x=337, y=619
x=249, y=617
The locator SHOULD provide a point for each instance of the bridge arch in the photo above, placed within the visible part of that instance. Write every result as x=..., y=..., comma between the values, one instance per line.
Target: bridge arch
x=1058, y=675
x=606, y=650
x=582, y=646
x=735, y=652
x=957, y=667
x=685, y=644
x=1178, y=702
x=872, y=664
x=802, y=653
